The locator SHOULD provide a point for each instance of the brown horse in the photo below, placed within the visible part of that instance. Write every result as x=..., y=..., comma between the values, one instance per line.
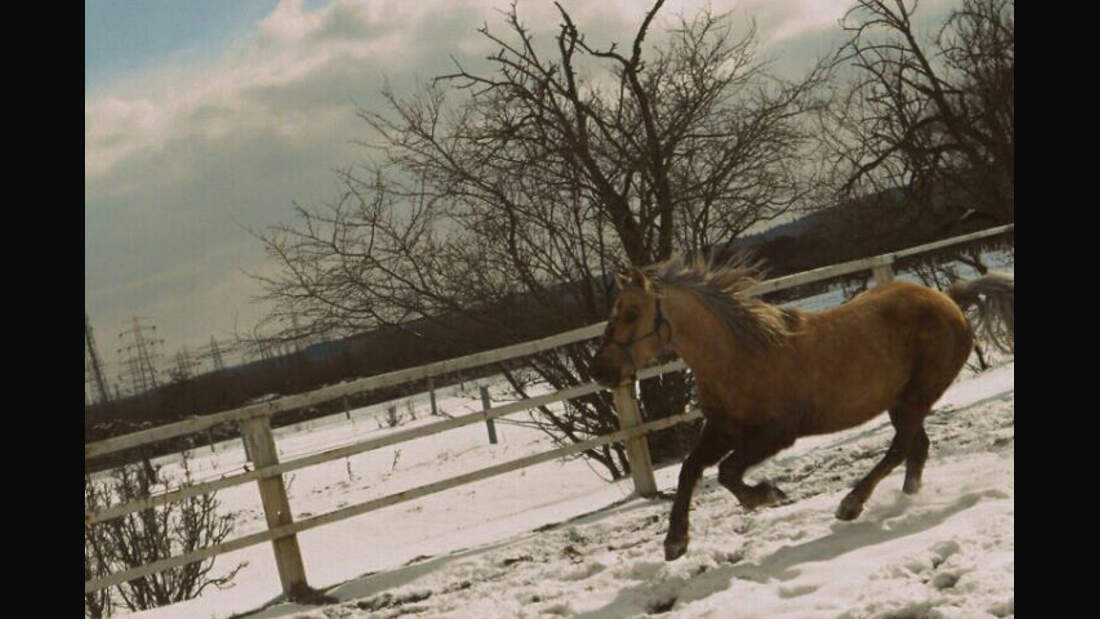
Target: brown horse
x=768, y=375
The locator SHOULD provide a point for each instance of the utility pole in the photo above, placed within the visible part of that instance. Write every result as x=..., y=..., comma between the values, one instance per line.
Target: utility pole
x=140, y=356
x=93, y=365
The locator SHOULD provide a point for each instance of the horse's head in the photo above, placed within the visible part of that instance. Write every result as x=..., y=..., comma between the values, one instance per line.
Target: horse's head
x=636, y=331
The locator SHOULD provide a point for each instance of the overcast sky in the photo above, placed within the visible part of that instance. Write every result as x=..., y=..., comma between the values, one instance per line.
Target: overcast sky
x=204, y=117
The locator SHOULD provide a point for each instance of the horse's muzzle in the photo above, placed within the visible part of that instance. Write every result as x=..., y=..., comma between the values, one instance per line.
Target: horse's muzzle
x=604, y=372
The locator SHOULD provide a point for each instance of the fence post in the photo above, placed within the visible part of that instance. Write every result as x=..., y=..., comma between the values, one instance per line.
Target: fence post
x=486, y=404
x=637, y=450
x=431, y=391
x=880, y=267
x=288, y=557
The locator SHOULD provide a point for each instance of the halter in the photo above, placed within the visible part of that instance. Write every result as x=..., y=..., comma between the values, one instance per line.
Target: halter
x=658, y=320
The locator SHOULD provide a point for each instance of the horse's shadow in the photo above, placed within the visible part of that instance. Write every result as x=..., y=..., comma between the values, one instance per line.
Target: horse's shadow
x=877, y=526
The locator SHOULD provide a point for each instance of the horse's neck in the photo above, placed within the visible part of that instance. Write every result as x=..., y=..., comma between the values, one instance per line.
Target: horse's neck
x=700, y=338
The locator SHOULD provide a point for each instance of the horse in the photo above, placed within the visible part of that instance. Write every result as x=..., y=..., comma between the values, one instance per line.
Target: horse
x=767, y=375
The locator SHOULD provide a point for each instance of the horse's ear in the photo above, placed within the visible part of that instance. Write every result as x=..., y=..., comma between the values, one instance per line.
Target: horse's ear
x=638, y=278
x=622, y=280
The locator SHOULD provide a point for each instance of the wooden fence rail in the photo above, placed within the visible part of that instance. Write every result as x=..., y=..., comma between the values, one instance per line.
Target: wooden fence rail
x=255, y=421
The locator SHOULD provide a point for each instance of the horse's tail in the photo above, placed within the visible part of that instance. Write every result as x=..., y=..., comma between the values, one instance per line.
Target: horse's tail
x=993, y=296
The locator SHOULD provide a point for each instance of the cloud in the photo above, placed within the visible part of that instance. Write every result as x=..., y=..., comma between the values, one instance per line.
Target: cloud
x=179, y=158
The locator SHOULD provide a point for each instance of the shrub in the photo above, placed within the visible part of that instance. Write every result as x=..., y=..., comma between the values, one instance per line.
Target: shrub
x=150, y=535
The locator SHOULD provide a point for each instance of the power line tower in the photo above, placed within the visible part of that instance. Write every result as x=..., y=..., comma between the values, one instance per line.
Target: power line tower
x=140, y=357
x=216, y=353
x=93, y=367
x=185, y=365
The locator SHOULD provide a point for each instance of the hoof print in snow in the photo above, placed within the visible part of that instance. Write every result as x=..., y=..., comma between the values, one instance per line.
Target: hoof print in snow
x=575, y=536
x=573, y=554
x=582, y=572
x=642, y=570
x=943, y=550
x=560, y=608
x=661, y=606
x=731, y=558
x=945, y=580
x=389, y=600
x=512, y=560
x=797, y=591
x=1003, y=609
x=458, y=586
x=625, y=546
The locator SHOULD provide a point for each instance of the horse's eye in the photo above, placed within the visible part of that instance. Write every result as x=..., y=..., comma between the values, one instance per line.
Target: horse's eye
x=630, y=315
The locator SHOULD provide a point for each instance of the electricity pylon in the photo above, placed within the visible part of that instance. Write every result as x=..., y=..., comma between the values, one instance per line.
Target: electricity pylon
x=93, y=367
x=140, y=357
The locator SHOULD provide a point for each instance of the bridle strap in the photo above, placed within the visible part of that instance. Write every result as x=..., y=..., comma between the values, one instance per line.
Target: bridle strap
x=658, y=320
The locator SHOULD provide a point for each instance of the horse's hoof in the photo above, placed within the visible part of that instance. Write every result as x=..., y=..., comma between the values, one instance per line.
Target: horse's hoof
x=674, y=549
x=911, y=486
x=849, y=509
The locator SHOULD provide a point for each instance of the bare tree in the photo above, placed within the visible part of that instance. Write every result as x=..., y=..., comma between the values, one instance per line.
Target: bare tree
x=499, y=203
x=150, y=535
x=930, y=124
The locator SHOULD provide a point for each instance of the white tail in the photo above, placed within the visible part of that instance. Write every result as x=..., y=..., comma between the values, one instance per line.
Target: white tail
x=993, y=297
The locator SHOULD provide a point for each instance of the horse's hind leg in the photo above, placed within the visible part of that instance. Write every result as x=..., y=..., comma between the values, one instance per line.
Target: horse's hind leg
x=914, y=462
x=757, y=445
x=712, y=446
x=907, y=425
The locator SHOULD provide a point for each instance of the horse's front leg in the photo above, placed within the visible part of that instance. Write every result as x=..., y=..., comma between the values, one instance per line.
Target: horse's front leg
x=710, y=449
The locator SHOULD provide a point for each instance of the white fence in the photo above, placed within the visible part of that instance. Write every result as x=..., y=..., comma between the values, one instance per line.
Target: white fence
x=255, y=421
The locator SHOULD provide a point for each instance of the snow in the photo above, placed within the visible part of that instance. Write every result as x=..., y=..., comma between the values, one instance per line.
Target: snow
x=514, y=545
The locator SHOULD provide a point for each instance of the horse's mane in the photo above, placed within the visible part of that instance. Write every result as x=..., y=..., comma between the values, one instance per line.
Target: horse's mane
x=722, y=290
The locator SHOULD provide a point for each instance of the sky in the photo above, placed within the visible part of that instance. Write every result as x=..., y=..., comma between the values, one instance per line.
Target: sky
x=206, y=119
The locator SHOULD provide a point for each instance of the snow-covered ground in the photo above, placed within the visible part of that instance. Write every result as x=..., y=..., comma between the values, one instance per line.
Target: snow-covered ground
x=514, y=546
x=559, y=539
